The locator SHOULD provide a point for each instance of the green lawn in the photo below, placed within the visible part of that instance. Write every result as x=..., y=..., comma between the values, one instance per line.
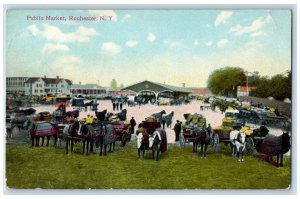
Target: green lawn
x=50, y=168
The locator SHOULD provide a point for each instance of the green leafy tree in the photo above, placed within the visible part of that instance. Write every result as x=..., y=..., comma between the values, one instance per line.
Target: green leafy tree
x=113, y=84
x=279, y=87
x=224, y=81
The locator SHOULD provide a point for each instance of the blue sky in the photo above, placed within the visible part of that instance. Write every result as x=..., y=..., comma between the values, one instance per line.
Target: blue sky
x=171, y=46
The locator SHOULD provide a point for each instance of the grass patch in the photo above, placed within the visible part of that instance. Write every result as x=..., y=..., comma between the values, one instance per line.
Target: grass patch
x=50, y=168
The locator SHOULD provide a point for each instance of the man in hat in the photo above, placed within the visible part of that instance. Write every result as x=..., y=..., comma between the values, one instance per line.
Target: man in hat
x=177, y=129
x=132, y=125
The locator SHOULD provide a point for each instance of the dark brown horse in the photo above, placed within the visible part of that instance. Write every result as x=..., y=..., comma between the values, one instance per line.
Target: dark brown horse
x=275, y=146
x=202, y=137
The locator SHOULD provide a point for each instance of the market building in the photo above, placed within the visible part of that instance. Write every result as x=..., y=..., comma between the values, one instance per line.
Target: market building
x=154, y=90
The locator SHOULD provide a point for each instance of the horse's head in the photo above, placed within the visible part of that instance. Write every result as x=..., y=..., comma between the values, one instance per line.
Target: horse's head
x=139, y=139
x=154, y=139
x=241, y=137
x=163, y=112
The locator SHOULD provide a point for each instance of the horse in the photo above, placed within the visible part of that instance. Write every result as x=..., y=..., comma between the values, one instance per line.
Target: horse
x=107, y=136
x=275, y=146
x=203, y=137
x=238, y=144
x=167, y=120
x=71, y=135
x=101, y=115
x=87, y=133
x=157, y=116
x=41, y=130
x=157, y=142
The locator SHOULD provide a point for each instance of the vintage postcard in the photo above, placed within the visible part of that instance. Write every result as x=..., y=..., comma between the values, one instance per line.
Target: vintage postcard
x=148, y=99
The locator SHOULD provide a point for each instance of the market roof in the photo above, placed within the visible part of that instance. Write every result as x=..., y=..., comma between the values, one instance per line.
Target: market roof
x=156, y=87
x=86, y=86
x=47, y=80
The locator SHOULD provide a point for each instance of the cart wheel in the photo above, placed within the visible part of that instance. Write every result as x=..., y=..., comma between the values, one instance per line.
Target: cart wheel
x=249, y=145
x=15, y=132
x=123, y=139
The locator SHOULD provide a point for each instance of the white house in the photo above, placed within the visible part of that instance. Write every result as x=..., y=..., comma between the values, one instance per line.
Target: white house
x=244, y=91
x=43, y=86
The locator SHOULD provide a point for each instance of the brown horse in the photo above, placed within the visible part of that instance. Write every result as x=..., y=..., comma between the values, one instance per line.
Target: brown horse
x=275, y=146
x=202, y=137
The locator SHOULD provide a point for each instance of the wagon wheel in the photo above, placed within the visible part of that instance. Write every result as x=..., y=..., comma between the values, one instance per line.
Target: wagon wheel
x=123, y=139
x=15, y=132
x=249, y=145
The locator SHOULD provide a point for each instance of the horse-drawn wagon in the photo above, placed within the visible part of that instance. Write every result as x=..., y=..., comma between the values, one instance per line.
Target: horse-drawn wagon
x=191, y=121
x=122, y=131
x=254, y=136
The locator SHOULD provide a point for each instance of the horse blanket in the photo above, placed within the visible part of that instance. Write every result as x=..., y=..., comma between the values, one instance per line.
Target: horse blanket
x=271, y=145
x=110, y=135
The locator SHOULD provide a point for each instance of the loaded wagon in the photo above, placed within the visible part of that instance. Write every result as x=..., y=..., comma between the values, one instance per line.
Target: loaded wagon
x=150, y=126
x=191, y=121
x=123, y=131
x=254, y=137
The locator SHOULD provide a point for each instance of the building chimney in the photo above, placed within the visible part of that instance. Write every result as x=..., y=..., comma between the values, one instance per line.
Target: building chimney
x=79, y=83
x=183, y=85
x=45, y=76
x=57, y=77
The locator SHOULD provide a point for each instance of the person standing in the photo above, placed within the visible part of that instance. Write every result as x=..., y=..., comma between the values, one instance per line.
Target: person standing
x=132, y=125
x=114, y=105
x=177, y=129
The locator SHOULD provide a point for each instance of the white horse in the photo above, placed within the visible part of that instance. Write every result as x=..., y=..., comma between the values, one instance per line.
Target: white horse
x=238, y=144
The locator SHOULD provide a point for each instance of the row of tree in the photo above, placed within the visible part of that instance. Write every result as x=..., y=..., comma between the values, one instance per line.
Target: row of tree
x=225, y=81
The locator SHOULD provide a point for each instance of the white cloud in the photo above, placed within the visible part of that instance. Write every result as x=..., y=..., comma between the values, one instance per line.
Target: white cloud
x=223, y=17
x=34, y=30
x=151, y=37
x=110, y=48
x=107, y=13
x=222, y=43
x=258, y=33
x=131, y=43
x=172, y=44
x=49, y=48
x=254, y=27
x=126, y=17
x=209, y=43
x=53, y=33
